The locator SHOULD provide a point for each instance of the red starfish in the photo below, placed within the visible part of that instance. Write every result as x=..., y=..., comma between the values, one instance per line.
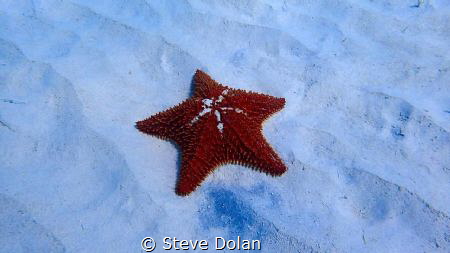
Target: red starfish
x=217, y=125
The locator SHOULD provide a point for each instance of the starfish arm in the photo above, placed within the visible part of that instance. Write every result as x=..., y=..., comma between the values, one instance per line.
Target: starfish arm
x=250, y=148
x=200, y=157
x=258, y=106
x=205, y=86
x=192, y=175
x=167, y=124
x=264, y=159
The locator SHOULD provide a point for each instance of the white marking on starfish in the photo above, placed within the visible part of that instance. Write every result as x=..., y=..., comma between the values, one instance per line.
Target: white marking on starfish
x=220, y=99
x=217, y=113
x=239, y=111
x=203, y=112
x=220, y=127
x=218, y=117
x=207, y=108
x=207, y=102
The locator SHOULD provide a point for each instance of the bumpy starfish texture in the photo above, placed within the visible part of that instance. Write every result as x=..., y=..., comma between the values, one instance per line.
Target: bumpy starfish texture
x=216, y=126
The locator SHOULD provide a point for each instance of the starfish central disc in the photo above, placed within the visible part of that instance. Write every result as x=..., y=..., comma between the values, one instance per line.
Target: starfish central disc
x=217, y=125
x=212, y=105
